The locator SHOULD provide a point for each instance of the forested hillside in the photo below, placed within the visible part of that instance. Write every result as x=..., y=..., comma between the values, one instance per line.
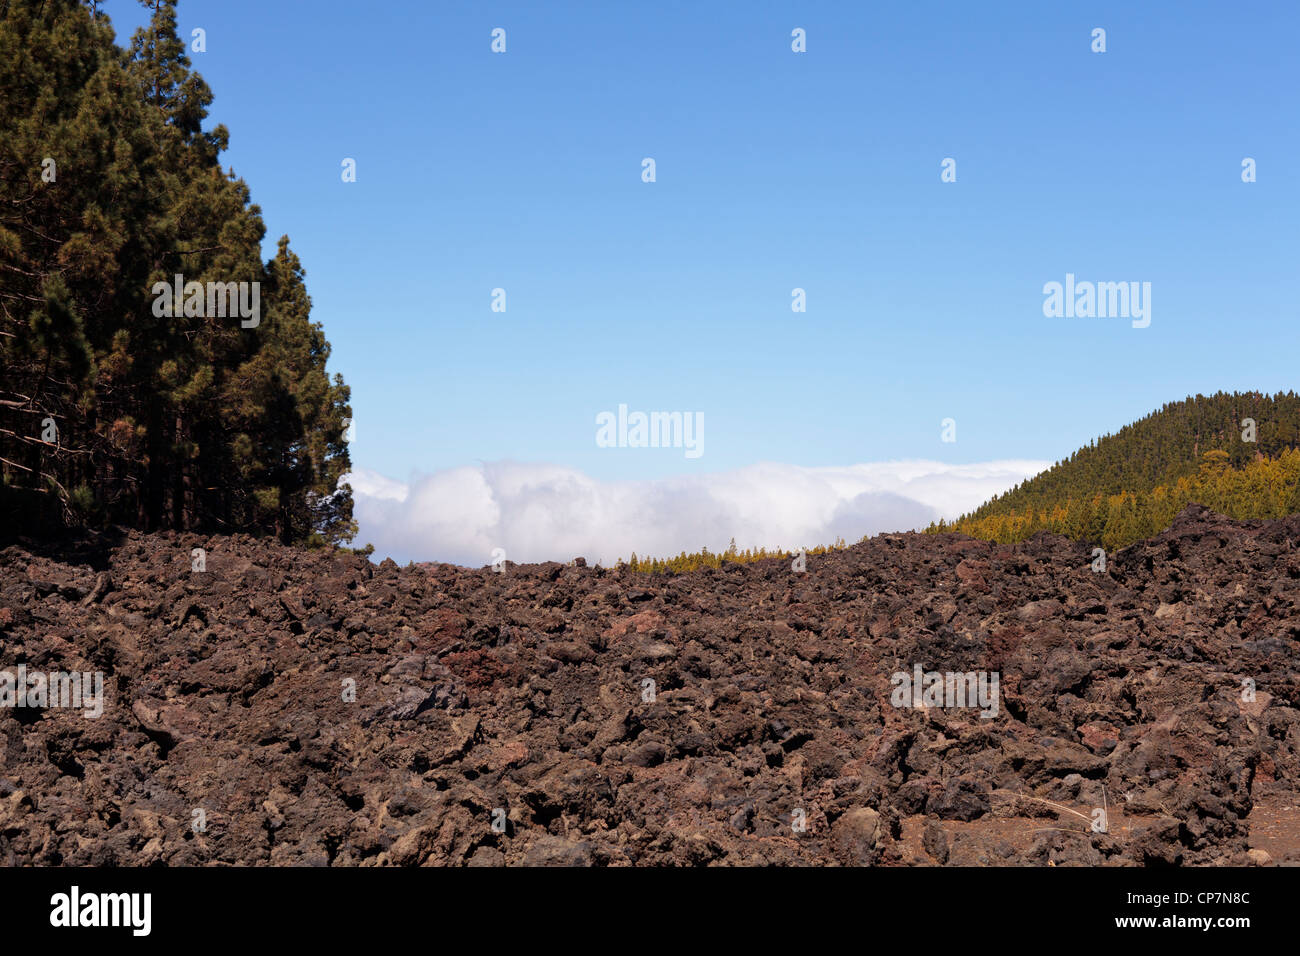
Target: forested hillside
x=1235, y=453
x=114, y=407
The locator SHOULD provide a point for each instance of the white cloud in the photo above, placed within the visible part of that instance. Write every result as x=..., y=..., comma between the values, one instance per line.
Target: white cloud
x=549, y=512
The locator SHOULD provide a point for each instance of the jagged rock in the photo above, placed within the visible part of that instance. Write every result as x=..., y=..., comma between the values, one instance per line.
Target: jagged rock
x=322, y=710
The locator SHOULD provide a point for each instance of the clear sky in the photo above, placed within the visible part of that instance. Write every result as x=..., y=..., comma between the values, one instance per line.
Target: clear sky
x=775, y=170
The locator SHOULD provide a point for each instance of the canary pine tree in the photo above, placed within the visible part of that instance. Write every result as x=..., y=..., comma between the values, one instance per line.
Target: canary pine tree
x=109, y=411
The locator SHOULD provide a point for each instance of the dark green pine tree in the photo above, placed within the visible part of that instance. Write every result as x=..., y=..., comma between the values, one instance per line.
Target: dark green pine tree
x=76, y=152
x=162, y=67
x=109, y=184
x=291, y=450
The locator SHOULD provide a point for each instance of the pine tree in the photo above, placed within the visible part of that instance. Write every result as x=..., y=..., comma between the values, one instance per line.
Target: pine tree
x=108, y=185
x=290, y=451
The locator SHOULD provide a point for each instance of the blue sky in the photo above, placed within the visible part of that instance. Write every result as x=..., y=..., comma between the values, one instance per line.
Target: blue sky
x=775, y=170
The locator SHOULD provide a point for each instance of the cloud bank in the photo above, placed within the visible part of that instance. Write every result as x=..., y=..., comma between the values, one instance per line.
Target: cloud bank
x=538, y=512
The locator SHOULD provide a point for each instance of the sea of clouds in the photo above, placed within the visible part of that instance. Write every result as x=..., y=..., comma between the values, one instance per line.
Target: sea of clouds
x=538, y=512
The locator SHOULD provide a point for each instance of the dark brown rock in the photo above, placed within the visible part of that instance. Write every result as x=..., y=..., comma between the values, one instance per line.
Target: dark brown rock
x=323, y=710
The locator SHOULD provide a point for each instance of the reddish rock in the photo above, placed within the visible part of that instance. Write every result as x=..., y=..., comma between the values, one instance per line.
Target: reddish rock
x=323, y=710
x=509, y=754
x=971, y=574
x=1099, y=737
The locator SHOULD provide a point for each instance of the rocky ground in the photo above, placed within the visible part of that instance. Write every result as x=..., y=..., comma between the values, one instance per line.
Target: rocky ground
x=294, y=707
